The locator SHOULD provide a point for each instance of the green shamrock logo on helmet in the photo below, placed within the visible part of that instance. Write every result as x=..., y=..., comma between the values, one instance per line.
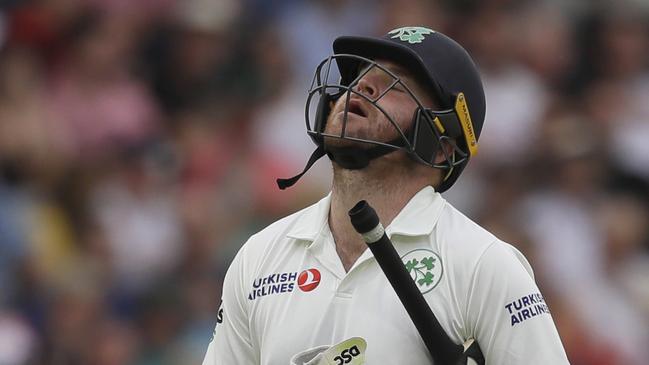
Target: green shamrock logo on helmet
x=411, y=35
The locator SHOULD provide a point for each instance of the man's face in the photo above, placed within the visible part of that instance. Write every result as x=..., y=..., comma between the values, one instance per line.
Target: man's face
x=364, y=120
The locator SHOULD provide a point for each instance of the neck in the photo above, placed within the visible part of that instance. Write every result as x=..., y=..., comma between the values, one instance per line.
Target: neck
x=386, y=186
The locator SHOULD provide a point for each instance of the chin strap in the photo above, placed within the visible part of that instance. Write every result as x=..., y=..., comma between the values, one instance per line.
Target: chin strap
x=351, y=158
x=354, y=158
x=315, y=156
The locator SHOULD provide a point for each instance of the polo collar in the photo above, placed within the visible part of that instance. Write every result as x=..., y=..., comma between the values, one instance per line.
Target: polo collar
x=311, y=221
x=417, y=218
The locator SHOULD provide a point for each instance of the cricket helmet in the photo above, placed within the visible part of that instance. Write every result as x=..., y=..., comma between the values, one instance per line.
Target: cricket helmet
x=438, y=64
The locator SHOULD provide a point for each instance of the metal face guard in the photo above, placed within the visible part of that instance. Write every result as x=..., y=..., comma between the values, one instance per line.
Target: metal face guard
x=430, y=128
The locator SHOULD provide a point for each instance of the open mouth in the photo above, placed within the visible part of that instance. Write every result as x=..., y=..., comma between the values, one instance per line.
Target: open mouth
x=355, y=107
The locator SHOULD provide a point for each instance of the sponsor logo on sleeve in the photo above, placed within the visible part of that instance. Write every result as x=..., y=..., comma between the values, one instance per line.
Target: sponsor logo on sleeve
x=219, y=316
x=219, y=320
x=286, y=282
x=526, y=307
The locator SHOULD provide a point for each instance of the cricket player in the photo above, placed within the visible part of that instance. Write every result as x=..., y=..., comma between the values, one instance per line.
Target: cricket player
x=399, y=116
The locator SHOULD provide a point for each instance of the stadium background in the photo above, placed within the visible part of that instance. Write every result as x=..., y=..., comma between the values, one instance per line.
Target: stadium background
x=140, y=140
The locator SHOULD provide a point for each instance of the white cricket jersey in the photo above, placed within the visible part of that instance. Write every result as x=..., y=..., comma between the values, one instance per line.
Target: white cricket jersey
x=287, y=291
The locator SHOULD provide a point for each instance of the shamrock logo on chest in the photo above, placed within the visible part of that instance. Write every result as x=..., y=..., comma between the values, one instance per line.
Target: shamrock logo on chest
x=424, y=267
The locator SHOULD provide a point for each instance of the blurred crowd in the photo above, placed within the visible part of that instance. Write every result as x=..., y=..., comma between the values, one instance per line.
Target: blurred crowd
x=140, y=141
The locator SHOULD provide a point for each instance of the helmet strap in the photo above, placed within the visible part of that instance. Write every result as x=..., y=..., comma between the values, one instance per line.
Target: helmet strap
x=351, y=158
x=355, y=158
x=315, y=156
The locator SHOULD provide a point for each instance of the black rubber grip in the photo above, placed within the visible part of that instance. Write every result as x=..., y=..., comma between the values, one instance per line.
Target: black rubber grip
x=363, y=217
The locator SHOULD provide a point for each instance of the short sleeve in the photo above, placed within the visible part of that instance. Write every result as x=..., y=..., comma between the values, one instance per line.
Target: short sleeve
x=231, y=343
x=507, y=314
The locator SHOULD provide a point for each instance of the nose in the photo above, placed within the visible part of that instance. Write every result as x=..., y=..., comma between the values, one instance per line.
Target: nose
x=366, y=87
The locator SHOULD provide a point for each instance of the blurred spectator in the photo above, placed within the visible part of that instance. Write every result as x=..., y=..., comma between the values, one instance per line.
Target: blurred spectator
x=545, y=43
x=516, y=97
x=310, y=28
x=196, y=59
x=626, y=38
x=135, y=209
x=97, y=104
x=33, y=224
x=280, y=115
x=570, y=246
x=623, y=218
x=558, y=215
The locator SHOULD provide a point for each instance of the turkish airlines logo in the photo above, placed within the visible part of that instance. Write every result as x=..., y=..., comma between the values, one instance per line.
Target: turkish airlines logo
x=285, y=282
x=308, y=280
